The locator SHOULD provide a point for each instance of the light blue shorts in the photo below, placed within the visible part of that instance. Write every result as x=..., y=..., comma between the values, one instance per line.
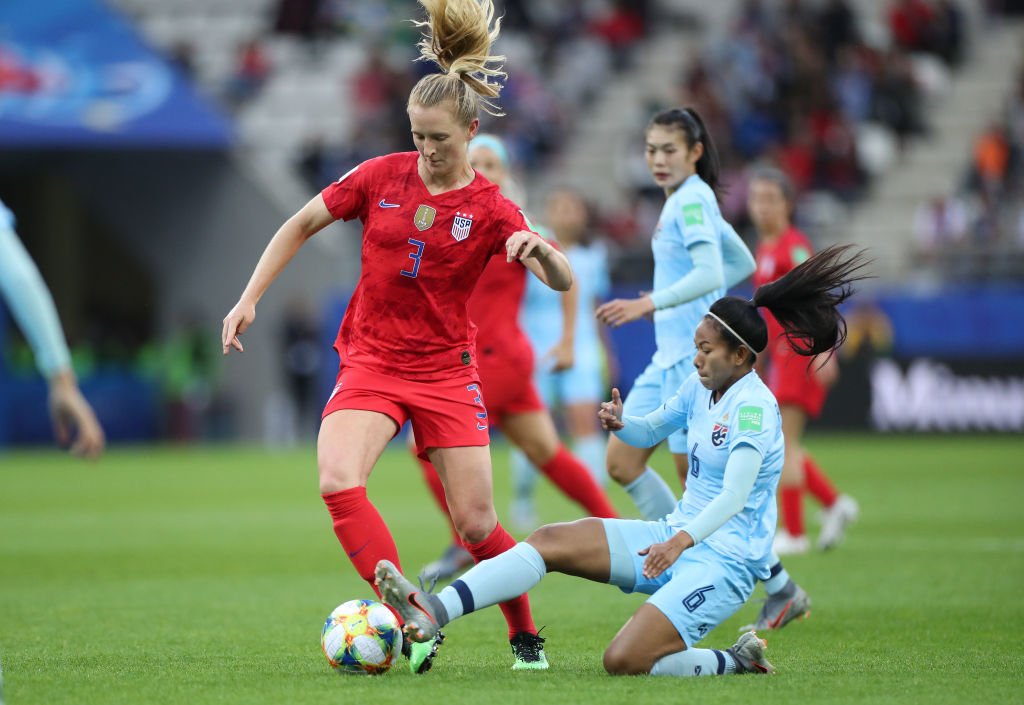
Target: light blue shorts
x=582, y=383
x=698, y=592
x=653, y=388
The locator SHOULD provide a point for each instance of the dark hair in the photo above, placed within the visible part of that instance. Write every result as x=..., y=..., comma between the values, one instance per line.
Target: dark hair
x=779, y=178
x=804, y=301
x=692, y=126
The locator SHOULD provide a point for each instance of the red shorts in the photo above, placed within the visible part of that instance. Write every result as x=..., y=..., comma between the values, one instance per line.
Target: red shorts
x=445, y=414
x=792, y=381
x=509, y=390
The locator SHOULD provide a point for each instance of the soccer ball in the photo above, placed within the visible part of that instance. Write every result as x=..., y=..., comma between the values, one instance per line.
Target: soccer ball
x=361, y=637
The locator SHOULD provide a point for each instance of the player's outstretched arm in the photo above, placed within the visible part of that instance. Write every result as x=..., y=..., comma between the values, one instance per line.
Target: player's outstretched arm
x=313, y=217
x=540, y=257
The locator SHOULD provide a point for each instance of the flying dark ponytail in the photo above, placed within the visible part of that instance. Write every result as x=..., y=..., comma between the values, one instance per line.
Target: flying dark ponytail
x=692, y=126
x=804, y=301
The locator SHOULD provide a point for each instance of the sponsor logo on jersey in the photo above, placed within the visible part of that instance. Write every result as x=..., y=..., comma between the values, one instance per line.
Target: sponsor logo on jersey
x=461, y=225
x=424, y=217
x=384, y=204
x=750, y=418
x=719, y=434
x=693, y=214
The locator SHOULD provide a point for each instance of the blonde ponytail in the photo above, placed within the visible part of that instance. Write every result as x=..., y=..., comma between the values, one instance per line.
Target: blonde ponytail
x=458, y=39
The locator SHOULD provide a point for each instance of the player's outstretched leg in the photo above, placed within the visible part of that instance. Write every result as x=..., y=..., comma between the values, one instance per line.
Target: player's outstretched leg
x=748, y=653
x=422, y=612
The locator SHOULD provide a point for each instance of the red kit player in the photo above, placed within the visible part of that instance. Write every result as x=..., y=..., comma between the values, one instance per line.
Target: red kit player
x=506, y=371
x=800, y=389
x=406, y=344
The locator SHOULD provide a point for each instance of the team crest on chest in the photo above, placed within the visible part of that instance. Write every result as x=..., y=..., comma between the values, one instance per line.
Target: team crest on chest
x=720, y=432
x=461, y=225
x=424, y=217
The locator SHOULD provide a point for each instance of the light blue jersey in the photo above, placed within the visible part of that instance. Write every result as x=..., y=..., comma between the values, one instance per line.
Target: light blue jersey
x=690, y=215
x=746, y=414
x=541, y=315
x=29, y=300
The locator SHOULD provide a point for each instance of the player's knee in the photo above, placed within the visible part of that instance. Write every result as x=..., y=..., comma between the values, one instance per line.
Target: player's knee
x=476, y=525
x=539, y=450
x=618, y=661
x=621, y=469
x=334, y=476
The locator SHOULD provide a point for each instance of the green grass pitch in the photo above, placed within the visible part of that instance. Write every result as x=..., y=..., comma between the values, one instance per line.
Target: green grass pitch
x=204, y=576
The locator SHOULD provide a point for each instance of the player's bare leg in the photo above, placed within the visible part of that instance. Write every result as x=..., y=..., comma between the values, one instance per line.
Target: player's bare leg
x=466, y=475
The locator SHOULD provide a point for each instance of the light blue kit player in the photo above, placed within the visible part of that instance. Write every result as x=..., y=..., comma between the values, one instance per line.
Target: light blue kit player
x=701, y=562
x=568, y=347
x=26, y=295
x=697, y=256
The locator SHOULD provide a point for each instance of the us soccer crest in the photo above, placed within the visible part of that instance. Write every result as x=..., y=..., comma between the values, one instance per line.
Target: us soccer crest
x=719, y=433
x=424, y=217
x=461, y=225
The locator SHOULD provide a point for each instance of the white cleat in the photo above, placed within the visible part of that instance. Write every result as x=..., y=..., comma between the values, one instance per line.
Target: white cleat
x=785, y=544
x=834, y=520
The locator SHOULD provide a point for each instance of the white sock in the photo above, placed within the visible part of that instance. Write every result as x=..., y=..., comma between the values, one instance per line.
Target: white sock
x=695, y=662
x=779, y=577
x=524, y=475
x=591, y=450
x=651, y=495
x=495, y=580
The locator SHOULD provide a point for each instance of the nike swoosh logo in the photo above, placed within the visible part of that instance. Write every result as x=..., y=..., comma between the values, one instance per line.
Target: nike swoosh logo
x=384, y=204
x=353, y=554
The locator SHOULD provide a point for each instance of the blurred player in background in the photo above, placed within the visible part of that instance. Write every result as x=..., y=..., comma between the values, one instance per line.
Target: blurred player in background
x=700, y=563
x=406, y=345
x=697, y=256
x=799, y=388
x=506, y=370
x=74, y=420
x=571, y=352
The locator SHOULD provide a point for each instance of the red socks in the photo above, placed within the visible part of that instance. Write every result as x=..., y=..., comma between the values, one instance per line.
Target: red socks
x=361, y=531
x=818, y=484
x=516, y=611
x=573, y=479
x=791, y=504
x=433, y=481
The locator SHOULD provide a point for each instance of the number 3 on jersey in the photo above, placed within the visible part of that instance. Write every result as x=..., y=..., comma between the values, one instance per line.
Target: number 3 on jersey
x=415, y=257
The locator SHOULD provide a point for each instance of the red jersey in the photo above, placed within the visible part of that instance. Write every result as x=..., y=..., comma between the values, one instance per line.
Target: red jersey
x=422, y=255
x=774, y=259
x=494, y=308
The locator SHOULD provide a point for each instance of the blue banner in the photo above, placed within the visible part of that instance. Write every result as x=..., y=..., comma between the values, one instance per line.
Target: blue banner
x=73, y=73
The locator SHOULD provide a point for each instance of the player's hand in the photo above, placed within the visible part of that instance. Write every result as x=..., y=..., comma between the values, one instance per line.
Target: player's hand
x=661, y=556
x=562, y=355
x=617, y=312
x=611, y=412
x=236, y=322
x=525, y=244
x=74, y=420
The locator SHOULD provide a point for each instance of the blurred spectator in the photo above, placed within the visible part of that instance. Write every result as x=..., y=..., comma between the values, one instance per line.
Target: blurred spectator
x=991, y=158
x=911, y=23
x=187, y=365
x=621, y=27
x=939, y=224
x=250, y=73
x=897, y=98
x=302, y=358
x=297, y=17
x=183, y=55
